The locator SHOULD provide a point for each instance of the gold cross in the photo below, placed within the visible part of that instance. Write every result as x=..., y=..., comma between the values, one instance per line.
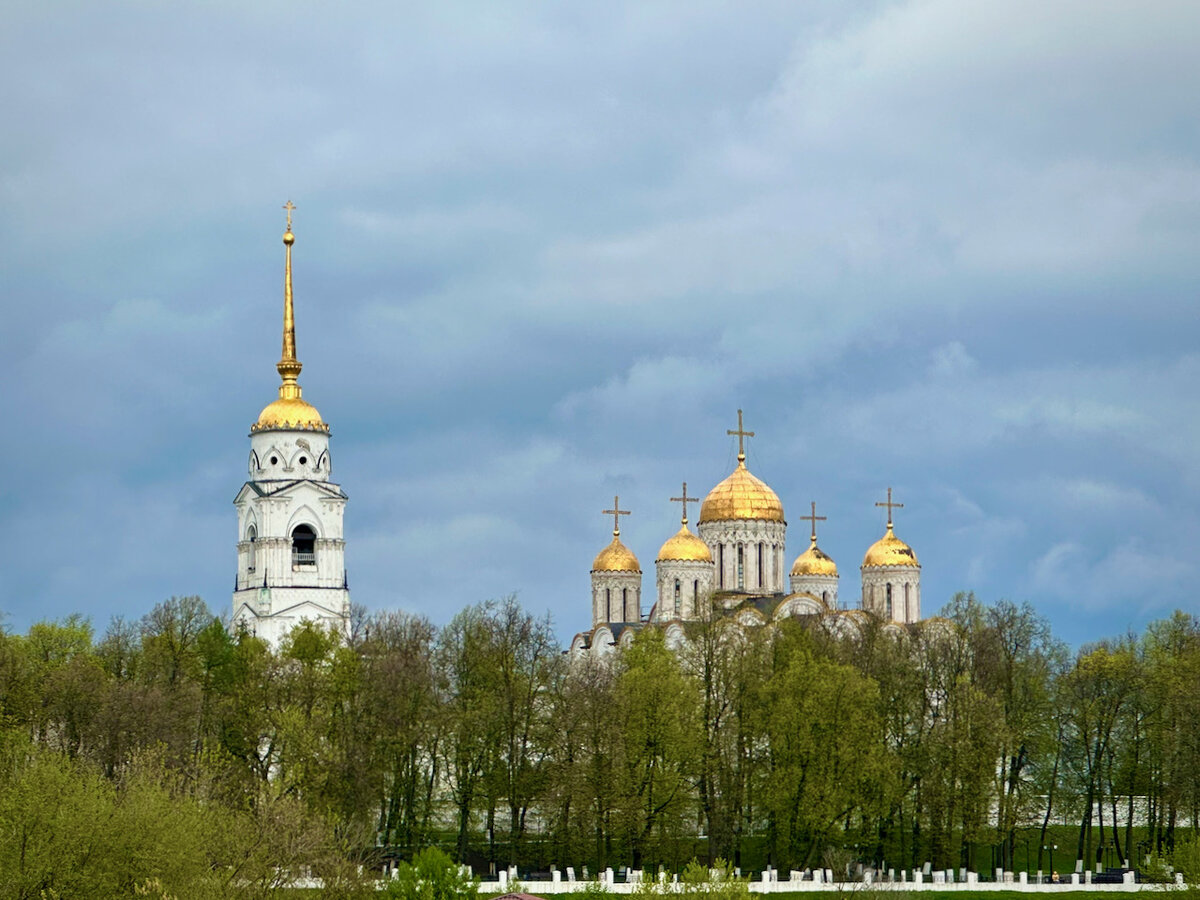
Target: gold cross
x=741, y=435
x=289, y=206
x=685, y=500
x=616, y=512
x=814, y=518
x=890, y=505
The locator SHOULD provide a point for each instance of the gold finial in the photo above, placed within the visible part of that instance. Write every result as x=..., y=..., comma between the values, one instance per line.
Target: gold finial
x=742, y=434
x=685, y=500
x=890, y=505
x=616, y=512
x=814, y=518
x=288, y=366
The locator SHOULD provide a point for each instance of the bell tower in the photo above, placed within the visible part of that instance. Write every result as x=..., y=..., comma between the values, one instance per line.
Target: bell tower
x=291, y=551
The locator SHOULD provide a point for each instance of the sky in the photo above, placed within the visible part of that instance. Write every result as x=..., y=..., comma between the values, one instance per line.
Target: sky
x=544, y=253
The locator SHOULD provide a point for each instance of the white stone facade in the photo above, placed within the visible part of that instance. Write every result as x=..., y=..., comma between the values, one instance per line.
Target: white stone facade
x=823, y=586
x=748, y=554
x=684, y=588
x=616, y=597
x=892, y=592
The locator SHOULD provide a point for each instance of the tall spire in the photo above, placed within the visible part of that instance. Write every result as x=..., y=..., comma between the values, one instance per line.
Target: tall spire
x=288, y=366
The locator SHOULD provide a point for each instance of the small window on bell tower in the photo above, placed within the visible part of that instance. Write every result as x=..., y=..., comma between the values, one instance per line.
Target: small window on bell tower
x=251, y=555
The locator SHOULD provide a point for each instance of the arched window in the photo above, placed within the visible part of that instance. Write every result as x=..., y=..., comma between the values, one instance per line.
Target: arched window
x=741, y=568
x=825, y=596
x=608, y=604
x=888, y=600
x=909, y=612
x=678, y=597
x=625, y=604
x=251, y=537
x=721, y=566
x=304, y=546
x=695, y=592
x=760, y=564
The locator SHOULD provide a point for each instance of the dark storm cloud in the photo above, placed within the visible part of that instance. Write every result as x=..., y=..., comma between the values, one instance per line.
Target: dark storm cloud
x=545, y=252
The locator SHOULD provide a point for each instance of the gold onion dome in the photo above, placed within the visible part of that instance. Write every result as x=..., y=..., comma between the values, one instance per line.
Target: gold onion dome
x=684, y=546
x=289, y=412
x=889, y=550
x=741, y=496
x=814, y=561
x=616, y=557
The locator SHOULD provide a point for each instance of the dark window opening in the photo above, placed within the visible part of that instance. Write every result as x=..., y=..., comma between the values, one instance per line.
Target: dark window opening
x=304, y=460
x=678, y=598
x=760, y=565
x=741, y=568
x=274, y=460
x=304, y=546
x=251, y=560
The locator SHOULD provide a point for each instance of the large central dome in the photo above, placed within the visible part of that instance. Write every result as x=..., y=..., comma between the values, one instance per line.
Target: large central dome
x=741, y=496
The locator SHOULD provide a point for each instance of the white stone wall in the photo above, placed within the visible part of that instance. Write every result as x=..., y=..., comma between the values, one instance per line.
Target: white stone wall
x=823, y=586
x=695, y=588
x=289, y=486
x=616, y=597
x=286, y=455
x=724, y=538
x=905, y=583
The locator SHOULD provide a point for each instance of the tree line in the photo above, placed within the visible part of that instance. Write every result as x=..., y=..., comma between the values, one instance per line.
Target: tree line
x=962, y=741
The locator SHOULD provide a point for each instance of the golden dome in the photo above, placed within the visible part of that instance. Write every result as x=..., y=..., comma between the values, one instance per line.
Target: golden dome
x=616, y=557
x=889, y=550
x=814, y=561
x=685, y=546
x=291, y=414
x=741, y=496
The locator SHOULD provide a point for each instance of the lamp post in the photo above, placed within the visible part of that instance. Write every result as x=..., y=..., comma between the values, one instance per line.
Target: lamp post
x=1051, y=848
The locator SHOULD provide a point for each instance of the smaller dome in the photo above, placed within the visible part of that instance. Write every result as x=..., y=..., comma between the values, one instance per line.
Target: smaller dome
x=889, y=550
x=685, y=546
x=616, y=557
x=814, y=561
x=289, y=414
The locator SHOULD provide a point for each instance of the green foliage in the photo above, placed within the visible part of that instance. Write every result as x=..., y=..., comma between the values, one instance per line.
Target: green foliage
x=716, y=882
x=432, y=875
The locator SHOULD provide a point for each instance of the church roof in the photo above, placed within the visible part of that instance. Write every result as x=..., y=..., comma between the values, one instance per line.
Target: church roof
x=741, y=496
x=889, y=550
x=616, y=557
x=684, y=546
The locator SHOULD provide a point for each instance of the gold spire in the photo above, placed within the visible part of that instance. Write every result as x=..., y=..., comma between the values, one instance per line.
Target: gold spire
x=289, y=411
x=288, y=366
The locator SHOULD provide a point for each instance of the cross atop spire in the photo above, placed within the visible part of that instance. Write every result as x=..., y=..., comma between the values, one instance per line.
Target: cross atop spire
x=890, y=506
x=741, y=436
x=814, y=518
x=616, y=512
x=685, y=500
x=289, y=206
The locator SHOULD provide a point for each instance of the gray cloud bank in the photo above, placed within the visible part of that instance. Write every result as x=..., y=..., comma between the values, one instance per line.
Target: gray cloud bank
x=543, y=254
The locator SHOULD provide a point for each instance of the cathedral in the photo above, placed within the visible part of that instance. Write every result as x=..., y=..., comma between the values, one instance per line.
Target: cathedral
x=291, y=551
x=735, y=565
x=290, y=554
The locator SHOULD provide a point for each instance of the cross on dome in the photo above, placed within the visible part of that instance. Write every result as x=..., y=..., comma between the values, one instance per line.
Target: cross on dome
x=890, y=506
x=741, y=435
x=685, y=500
x=814, y=518
x=289, y=206
x=616, y=512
